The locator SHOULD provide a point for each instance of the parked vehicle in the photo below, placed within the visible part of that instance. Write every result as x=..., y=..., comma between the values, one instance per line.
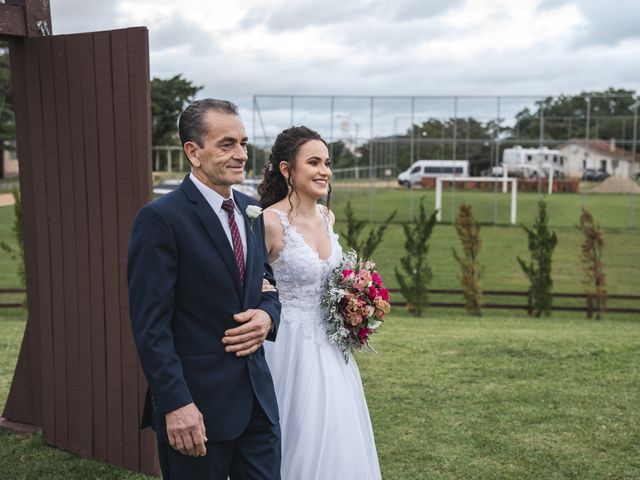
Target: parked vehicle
x=432, y=168
x=593, y=175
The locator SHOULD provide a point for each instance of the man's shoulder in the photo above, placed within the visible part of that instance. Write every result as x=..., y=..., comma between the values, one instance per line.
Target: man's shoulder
x=165, y=206
x=243, y=197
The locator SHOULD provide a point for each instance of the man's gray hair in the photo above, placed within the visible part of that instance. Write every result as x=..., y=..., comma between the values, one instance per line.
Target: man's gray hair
x=192, y=127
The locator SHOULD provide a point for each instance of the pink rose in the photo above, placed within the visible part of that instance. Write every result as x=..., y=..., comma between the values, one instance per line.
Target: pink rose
x=376, y=279
x=347, y=274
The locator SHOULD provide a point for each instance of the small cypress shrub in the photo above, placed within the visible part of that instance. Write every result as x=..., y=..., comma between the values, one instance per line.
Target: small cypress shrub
x=417, y=273
x=542, y=241
x=354, y=229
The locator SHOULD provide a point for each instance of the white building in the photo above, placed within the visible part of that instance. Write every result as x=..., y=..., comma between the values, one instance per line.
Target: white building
x=598, y=155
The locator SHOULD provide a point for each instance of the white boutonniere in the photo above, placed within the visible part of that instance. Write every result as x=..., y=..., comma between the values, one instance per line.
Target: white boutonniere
x=253, y=212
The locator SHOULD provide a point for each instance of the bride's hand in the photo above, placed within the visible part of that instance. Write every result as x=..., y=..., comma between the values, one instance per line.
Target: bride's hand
x=267, y=287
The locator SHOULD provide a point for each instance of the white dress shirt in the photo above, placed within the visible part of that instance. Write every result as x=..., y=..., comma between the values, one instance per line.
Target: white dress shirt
x=214, y=199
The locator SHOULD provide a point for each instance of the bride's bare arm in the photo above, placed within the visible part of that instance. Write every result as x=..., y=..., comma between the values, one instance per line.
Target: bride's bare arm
x=273, y=235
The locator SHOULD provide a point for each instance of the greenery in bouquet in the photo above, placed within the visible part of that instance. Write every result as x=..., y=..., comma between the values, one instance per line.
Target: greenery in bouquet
x=355, y=301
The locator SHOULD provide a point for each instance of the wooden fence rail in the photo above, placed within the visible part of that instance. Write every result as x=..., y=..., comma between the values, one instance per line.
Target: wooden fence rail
x=588, y=307
x=589, y=301
x=10, y=291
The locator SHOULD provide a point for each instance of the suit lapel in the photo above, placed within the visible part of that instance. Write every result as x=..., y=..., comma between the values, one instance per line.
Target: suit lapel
x=212, y=225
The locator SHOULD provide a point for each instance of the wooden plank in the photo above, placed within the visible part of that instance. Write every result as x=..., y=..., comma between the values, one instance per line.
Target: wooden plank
x=15, y=407
x=35, y=11
x=138, y=47
x=12, y=22
x=38, y=302
x=96, y=280
x=68, y=240
x=36, y=142
x=52, y=168
x=81, y=433
x=124, y=173
x=106, y=147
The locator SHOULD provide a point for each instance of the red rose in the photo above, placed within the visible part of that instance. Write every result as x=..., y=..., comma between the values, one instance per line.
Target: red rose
x=372, y=292
x=384, y=293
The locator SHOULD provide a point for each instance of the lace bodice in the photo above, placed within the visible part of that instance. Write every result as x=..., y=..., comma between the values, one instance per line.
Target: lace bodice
x=301, y=275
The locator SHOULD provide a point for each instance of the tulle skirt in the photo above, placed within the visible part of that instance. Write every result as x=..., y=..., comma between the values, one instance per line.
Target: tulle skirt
x=325, y=424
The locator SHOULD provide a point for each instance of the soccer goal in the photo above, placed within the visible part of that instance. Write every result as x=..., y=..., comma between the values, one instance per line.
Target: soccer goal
x=505, y=181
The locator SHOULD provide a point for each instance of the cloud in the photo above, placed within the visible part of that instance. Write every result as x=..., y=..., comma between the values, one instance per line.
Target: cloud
x=605, y=23
x=76, y=16
x=376, y=47
x=300, y=15
x=422, y=9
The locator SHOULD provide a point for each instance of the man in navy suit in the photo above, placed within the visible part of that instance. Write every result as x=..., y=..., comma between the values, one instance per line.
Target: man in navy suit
x=199, y=313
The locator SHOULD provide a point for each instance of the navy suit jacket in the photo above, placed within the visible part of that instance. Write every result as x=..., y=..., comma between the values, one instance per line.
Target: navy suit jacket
x=184, y=288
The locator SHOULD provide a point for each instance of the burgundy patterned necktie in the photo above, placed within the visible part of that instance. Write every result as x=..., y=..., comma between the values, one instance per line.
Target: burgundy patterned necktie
x=228, y=206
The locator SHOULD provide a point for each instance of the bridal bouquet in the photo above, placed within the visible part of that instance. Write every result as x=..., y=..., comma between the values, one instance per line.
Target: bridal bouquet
x=355, y=301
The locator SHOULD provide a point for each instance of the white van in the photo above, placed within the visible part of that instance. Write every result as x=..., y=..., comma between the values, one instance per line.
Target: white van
x=433, y=168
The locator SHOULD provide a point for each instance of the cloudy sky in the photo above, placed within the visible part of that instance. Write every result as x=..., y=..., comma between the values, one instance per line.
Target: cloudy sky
x=371, y=47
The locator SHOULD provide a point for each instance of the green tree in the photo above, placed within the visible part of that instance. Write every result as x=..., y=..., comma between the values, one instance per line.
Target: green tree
x=542, y=241
x=7, y=116
x=169, y=97
x=354, y=228
x=341, y=156
x=432, y=140
x=565, y=116
x=417, y=273
x=17, y=254
x=470, y=269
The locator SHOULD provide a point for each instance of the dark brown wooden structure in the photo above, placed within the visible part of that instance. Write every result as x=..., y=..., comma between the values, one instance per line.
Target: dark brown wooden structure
x=84, y=140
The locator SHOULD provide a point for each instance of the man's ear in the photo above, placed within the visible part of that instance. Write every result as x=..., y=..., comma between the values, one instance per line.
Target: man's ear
x=191, y=151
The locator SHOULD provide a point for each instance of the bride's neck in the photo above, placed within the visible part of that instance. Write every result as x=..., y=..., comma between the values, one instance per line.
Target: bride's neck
x=304, y=206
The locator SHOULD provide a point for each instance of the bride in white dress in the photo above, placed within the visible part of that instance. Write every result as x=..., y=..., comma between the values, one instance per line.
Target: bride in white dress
x=326, y=430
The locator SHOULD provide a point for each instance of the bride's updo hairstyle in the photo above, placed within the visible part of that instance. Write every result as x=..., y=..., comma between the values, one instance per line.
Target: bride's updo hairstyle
x=274, y=186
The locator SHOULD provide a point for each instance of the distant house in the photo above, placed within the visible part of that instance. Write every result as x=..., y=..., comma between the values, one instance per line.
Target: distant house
x=598, y=155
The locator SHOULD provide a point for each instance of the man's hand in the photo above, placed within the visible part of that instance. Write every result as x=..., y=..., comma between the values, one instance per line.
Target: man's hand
x=186, y=432
x=247, y=338
x=267, y=287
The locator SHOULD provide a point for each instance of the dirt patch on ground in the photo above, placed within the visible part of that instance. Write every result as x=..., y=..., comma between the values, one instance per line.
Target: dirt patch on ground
x=6, y=199
x=376, y=184
x=618, y=185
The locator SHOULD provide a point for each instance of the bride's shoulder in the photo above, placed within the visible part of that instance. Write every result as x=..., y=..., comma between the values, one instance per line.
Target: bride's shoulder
x=273, y=220
x=328, y=214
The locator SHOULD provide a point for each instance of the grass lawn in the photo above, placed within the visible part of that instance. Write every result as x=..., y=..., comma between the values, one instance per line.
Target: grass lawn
x=505, y=398
x=451, y=397
x=456, y=398
x=503, y=243
x=617, y=211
